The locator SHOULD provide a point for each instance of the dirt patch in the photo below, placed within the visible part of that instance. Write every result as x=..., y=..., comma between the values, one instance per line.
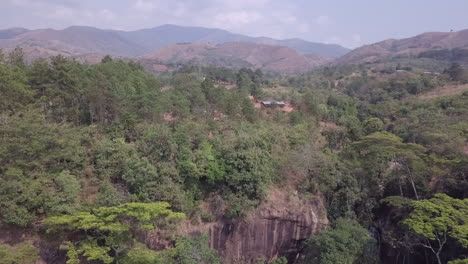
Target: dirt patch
x=465, y=148
x=166, y=88
x=224, y=84
x=256, y=102
x=329, y=126
x=279, y=89
x=287, y=108
x=446, y=90
x=159, y=67
x=168, y=117
x=217, y=115
x=90, y=188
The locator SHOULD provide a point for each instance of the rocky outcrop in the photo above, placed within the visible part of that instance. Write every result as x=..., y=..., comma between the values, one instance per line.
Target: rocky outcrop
x=274, y=229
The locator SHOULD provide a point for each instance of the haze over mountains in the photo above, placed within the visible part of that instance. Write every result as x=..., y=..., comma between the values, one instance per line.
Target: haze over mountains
x=240, y=54
x=413, y=46
x=177, y=44
x=77, y=39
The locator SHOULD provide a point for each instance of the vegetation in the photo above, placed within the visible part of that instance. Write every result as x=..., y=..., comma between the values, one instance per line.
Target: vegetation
x=186, y=251
x=110, y=230
x=98, y=154
x=346, y=242
x=391, y=149
x=437, y=220
x=23, y=253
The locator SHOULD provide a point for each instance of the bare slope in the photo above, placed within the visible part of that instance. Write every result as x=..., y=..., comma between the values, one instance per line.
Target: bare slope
x=158, y=37
x=79, y=40
x=239, y=54
x=74, y=41
x=408, y=47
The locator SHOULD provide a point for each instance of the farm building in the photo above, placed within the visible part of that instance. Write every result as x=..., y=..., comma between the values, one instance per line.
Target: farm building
x=273, y=104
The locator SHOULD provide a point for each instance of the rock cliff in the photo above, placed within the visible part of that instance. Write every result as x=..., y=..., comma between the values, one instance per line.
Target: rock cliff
x=276, y=228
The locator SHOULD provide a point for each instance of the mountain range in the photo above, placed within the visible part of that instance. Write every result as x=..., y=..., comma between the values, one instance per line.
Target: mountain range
x=178, y=44
x=436, y=42
x=239, y=54
x=78, y=39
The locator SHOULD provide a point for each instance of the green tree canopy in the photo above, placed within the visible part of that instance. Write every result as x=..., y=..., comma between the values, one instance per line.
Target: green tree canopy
x=455, y=72
x=346, y=242
x=437, y=219
x=373, y=125
x=111, y=230
x=23, y=253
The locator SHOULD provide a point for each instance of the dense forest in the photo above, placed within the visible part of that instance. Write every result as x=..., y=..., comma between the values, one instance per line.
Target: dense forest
x=92, y=156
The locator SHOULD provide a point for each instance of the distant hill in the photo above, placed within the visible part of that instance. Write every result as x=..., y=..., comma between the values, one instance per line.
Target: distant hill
x=165, y=35
x=79, y=40
x=430, y=45
x=74, y=41
x=237, y=54
x=12, y=32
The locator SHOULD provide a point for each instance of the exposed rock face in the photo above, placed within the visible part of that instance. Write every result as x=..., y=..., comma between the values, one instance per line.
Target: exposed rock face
x=276, y=228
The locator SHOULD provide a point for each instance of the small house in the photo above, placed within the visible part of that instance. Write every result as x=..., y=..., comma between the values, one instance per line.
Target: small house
x=280, y=104
x=272, y=104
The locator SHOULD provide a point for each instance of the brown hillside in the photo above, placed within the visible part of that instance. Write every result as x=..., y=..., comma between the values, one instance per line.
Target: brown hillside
x=74, y=41
x=239, y=54
x=409, y=46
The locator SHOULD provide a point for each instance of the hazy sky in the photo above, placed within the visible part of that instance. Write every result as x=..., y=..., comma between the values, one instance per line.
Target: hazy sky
x=347, y=22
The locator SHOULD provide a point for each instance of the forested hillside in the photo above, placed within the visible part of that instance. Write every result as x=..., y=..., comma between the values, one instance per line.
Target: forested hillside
x=95, y=157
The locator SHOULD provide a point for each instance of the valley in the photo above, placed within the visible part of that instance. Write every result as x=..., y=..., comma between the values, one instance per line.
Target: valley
x=187, y=145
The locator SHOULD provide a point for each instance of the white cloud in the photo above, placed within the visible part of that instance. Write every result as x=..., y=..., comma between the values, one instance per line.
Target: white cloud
x=143, y=5
x=44, y=3
x=180, y=10
x=303, y=28
x=25, y=3
x=289, y=19
x=334, y=40
x=63, y=13
x=271, y=18
x=236, y=19
x=352, y=41
x=242, y=4
x=107, y=14
x=357, y=38
x=323, y=20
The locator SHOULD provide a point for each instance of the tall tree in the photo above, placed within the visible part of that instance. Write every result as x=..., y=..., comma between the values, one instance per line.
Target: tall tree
x=15, y=93
x=110, y=231
x=346, y=242
x=16, y=58
x=387, y=159
x=455, y=72
x=2, y=56
x=437, y=219
x=22, y=253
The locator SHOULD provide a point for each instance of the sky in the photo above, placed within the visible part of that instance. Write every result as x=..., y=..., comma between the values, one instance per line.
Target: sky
x=350, y=23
